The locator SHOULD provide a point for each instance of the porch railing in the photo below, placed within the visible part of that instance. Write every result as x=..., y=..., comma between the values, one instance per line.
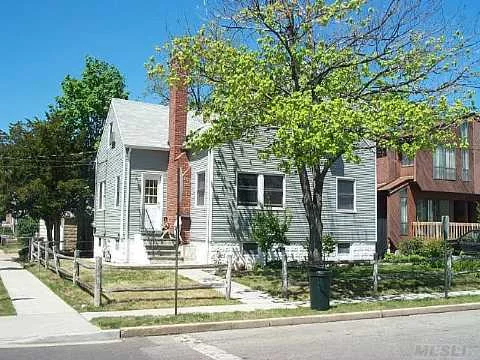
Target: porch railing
x=433, y=230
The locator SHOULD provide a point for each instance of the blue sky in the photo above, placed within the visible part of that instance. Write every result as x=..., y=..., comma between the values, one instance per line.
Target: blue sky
x=43, y=41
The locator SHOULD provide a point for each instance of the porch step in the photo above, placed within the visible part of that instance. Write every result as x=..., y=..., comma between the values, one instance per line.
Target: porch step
x=164, y=258
x=154, y=246
x=157, y=252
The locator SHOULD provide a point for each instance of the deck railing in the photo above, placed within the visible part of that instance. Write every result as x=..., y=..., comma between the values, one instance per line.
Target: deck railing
x=433, y=230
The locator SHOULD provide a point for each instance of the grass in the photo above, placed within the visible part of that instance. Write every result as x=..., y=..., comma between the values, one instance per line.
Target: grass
x=130, y=321
x=82, y=301
x=6, y=306
x=356, y=280
x=12, y=248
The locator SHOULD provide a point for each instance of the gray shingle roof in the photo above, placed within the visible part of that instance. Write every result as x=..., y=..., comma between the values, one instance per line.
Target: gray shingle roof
x=146, y=125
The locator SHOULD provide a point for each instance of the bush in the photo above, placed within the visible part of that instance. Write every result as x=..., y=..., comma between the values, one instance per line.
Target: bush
x=26, y=228
x=411, y=246
x=268, y=230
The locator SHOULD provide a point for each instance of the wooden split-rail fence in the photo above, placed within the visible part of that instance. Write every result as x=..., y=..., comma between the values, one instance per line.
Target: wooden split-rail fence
x=50, y=258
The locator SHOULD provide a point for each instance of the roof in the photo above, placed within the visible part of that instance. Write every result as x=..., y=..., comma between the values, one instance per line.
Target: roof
x=396, y=184
x=145, y=125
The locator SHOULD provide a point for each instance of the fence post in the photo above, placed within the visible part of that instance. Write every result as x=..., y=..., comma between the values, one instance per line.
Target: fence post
x=228, y=279
x=97, y=294
x=30, y=251
x=445, y=229
x=55, y=260
x=284, y=273
x=39, y=253
x=46, y=253
x=449, y=270
x=76, y=267
x=375, y=275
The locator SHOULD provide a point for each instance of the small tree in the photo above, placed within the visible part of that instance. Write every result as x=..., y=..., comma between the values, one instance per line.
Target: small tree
x=328, y=246
x=269, y=230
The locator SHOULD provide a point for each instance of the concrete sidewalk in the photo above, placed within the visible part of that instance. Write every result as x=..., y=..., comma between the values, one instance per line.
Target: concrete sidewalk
x=41, y=314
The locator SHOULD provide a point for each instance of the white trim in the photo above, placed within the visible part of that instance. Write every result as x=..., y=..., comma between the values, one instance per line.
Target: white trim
x=210, y=204
x=140, y=147
x=204, y=189
x=127, y=213
x=376, y=196
x=152, y=175
x=348, y=211
x=122, y=199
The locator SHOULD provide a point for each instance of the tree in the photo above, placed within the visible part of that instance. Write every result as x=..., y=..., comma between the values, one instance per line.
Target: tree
x=83, y=108
x=327, y=79
x=43, y=176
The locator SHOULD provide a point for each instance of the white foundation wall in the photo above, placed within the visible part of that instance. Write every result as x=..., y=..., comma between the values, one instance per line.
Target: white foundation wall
x=131, y=251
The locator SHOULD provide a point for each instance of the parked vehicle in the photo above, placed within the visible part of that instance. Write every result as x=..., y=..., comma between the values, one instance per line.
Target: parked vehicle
x=467, y=243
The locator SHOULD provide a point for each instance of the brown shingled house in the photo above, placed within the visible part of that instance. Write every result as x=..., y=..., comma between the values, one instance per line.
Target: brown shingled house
x=414, y=194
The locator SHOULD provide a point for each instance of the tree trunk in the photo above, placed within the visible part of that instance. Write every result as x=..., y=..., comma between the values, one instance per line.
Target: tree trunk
x=56, y=233
x=312, y=203
x=49, y=227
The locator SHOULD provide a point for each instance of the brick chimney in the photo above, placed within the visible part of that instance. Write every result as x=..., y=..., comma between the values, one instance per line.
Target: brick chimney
x=178, y=159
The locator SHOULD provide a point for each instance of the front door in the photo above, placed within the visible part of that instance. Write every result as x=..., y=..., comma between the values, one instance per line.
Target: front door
x=152, y=201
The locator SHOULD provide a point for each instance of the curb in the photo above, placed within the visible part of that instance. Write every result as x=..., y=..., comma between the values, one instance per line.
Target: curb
x=98, y=336
x=176, y=329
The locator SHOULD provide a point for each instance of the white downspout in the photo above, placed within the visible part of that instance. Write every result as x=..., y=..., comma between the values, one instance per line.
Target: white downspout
x=127, y=213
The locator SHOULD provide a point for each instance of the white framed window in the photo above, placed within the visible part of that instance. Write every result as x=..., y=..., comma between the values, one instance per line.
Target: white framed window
x=346, y=195
x=151, y=192
x=117, y=191
x=403, y=212
x=444, y=167
x=261, y=190
x=343, y=248
x=247, y=189
x=200, y=192
x=101, y=195
x=111, y=135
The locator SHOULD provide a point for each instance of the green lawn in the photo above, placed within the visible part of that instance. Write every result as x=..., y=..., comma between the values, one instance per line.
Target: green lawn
x=356, y=280
x=129, y=321
x=82, y=301
x=6, y=306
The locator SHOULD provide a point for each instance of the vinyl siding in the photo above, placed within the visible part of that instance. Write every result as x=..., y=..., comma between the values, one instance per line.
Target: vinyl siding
x=231, y=223
x=143, y=161
x=198, y=214
x=109, y=166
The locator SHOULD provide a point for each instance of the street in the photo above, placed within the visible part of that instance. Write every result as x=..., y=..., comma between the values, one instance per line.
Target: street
x=435, y=336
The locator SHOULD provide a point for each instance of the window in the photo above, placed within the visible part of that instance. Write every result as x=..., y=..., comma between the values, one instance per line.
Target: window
x=431, y=210
x=247, y=189
x=250, y=248
x=444, y=164
x=346, y=194
x=273, y=190
x=403, y=212
x=200, y=188
x=259, y=189
x=405, y=160
x=111, y=136
x=343, y=248
x=117, y=191
x=151, y=192
x=381, y=152
x=101, y=195
x=465, y=153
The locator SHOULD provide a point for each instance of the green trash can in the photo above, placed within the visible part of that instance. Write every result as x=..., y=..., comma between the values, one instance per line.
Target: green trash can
x=319, y=288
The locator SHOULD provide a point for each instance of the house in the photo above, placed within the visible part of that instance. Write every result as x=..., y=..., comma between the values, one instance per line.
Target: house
x=67, y=232
x=141, y=149
x=414, y=194
x=9, y=222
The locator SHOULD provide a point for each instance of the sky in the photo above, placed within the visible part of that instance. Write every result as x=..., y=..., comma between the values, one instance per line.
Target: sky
x=43, y=41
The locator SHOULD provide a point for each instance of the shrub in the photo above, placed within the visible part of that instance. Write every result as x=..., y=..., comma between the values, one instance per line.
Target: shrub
x=411, y=246
x=328, y=246
x=269, y=230
x=26, y=228
x=432, y=248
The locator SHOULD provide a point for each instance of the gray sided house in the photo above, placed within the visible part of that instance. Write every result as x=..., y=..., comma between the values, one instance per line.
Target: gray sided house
x=221, y=189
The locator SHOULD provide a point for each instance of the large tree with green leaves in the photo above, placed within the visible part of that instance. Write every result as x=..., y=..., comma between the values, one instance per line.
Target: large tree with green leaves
x=326, y=78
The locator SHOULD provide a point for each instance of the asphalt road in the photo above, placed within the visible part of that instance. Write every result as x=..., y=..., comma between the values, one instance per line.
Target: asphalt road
x=437, y=336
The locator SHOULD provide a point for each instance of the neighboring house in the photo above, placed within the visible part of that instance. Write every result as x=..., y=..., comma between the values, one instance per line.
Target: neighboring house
x=9, y=222
x=414, y=194
x=67, y=232
x=136, y=192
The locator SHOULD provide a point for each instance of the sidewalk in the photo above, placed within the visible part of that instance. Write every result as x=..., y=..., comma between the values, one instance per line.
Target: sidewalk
x=40, y=313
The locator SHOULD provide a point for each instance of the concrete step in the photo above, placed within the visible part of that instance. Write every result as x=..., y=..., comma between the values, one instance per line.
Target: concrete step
x=161, y=253
x=164, y=258
x=159, y=246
